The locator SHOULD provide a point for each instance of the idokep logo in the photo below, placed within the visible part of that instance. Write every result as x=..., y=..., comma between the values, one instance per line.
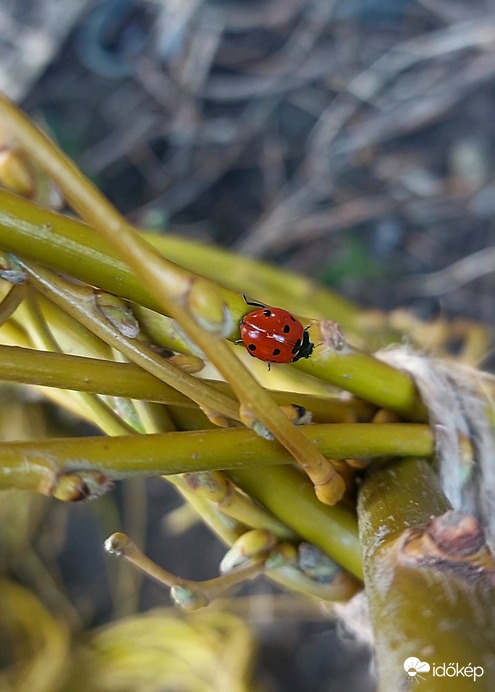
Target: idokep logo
x=415, y=669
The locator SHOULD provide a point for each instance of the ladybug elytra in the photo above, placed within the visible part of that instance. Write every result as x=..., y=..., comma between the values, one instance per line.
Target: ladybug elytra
x=274, y=335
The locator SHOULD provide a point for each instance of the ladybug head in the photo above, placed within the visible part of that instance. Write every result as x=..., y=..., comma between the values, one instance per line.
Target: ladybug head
x=305, y=348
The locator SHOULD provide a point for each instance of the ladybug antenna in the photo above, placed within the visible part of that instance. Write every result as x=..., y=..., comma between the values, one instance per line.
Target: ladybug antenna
x=254, y=304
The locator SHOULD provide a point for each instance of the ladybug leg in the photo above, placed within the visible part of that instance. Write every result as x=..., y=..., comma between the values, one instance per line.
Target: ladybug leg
x=238, y=341
x=254, y=304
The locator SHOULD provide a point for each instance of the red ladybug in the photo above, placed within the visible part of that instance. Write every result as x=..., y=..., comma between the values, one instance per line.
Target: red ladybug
x=274, y=335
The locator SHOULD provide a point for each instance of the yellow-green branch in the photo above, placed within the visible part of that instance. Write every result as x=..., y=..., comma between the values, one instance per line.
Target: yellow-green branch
x=76, y=249
x=79, y=301
x=430, y=580
x=29, y=366
x=289, y=496
x=204, y=450
x=79, y=373
x=72, y=247
x=196, y=304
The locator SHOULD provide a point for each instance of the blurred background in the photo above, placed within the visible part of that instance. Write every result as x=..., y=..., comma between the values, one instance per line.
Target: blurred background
x=350, y=140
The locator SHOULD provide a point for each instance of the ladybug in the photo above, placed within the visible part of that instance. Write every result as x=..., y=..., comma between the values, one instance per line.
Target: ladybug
x=274, y=335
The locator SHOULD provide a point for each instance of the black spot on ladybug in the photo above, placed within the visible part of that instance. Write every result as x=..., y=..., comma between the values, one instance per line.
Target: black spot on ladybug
x=252, y=347
x=297, y=346
x=276, y=352
x=286, y=329
x=267, y=313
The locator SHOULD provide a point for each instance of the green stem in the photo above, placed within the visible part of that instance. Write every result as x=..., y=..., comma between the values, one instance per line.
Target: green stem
x=58, y=370
x=11, y=301
x=364, y=376
x=74, y=248
x=182, y=452
x=270, y=284
x=42, y=337
x=79, y=302
x=290, y=497
x=228, y=531
x=29, y=366
x=202, y=593
x=441, y=610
